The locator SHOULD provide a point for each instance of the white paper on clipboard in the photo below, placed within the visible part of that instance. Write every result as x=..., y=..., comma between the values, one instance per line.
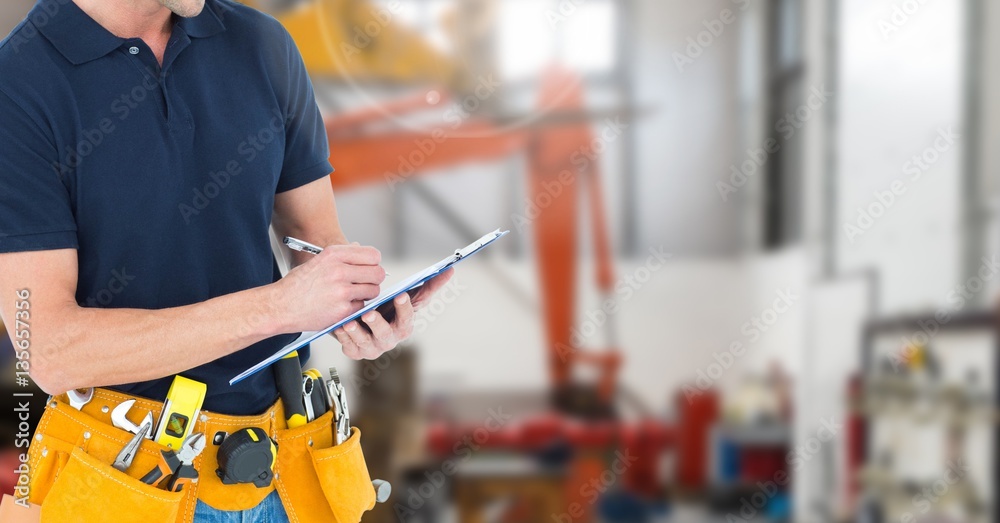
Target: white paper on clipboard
x=410, y=283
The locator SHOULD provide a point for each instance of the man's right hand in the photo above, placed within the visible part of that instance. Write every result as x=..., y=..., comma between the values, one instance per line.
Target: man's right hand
x=331, y=286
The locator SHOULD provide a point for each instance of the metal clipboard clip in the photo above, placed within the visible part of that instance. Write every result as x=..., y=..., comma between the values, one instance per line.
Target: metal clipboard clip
x=479, y=244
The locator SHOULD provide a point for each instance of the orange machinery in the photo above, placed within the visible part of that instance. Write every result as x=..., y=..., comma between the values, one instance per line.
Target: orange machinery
x=359, y=42
x=356, y=41
x=365, y=156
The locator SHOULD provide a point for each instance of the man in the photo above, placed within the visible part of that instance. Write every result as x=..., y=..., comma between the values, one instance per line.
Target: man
x=146, y=147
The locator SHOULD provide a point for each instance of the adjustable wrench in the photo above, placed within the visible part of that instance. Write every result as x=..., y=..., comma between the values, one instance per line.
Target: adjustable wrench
x=120, y=420
x=80, y=397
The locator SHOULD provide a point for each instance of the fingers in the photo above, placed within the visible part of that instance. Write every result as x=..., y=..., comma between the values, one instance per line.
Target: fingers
x=367, y=274
x=403, y=326
x=360, y=344
x=372, y=274
x=432, y=286
x=364, y=342
x=357, y=344
x=350, y=349
x=438, y=281
x=362, y=292
x=381, y=331
x=354, y=254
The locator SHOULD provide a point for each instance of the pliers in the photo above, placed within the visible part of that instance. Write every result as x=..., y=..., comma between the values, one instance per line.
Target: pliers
x=338, y=402
x=127, y=455
x=177, y=465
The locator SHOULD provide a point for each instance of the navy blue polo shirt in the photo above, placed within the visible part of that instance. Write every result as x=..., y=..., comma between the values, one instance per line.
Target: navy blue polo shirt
x=162, y=178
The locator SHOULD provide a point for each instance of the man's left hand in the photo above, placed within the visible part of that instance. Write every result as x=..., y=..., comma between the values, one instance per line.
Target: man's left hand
x=358, y=344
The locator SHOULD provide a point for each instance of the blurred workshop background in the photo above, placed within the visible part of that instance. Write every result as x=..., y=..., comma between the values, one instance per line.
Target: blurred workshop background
x=752, y=265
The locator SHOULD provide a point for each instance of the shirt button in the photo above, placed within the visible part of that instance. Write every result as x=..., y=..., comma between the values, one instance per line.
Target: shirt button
x=133, y=50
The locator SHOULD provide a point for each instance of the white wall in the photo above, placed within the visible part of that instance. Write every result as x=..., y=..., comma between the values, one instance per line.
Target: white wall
x=692, y=139
x=989, y=158
x=896, y=91
x=897, y=94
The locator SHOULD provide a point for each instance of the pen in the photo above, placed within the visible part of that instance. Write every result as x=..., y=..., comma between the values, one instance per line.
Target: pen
x=296, y=244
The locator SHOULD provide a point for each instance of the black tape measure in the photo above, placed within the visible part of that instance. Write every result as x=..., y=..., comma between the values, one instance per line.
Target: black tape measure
x=247, y=456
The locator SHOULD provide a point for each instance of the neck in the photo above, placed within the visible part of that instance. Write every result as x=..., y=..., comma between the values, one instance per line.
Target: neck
x=145, y=19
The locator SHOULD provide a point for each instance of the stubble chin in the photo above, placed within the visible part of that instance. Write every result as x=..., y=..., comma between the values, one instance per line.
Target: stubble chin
x=184, y=8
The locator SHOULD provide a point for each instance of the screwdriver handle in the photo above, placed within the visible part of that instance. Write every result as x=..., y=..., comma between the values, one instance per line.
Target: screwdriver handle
x=288, y=376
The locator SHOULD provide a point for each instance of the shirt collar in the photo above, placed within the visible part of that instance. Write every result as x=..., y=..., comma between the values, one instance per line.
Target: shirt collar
x=208, y=23
x=74, y=33
x=81, y=39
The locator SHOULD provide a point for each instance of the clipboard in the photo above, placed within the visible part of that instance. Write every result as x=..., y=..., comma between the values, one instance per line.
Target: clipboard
x=411, y=283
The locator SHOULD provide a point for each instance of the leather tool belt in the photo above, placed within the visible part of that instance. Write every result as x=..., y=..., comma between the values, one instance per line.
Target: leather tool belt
x=71, y=475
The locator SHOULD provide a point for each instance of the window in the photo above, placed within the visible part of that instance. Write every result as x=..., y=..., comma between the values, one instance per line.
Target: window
x=535, y=34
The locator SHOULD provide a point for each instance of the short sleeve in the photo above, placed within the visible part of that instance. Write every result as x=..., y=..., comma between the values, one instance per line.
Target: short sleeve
x=307, y=150
x=36, y=211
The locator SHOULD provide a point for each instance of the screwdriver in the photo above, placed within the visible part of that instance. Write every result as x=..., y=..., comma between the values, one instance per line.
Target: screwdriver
x=288, y=376
x=288, y=370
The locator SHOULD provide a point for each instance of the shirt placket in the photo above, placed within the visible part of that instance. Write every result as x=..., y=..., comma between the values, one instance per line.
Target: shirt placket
x=175, y=111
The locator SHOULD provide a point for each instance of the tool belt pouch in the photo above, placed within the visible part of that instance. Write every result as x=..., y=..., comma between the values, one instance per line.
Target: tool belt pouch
x=73, y=480
x=336, y=487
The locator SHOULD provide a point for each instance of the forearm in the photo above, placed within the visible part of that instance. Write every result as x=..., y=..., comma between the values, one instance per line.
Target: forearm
x=308, y=213
x=88, y=347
